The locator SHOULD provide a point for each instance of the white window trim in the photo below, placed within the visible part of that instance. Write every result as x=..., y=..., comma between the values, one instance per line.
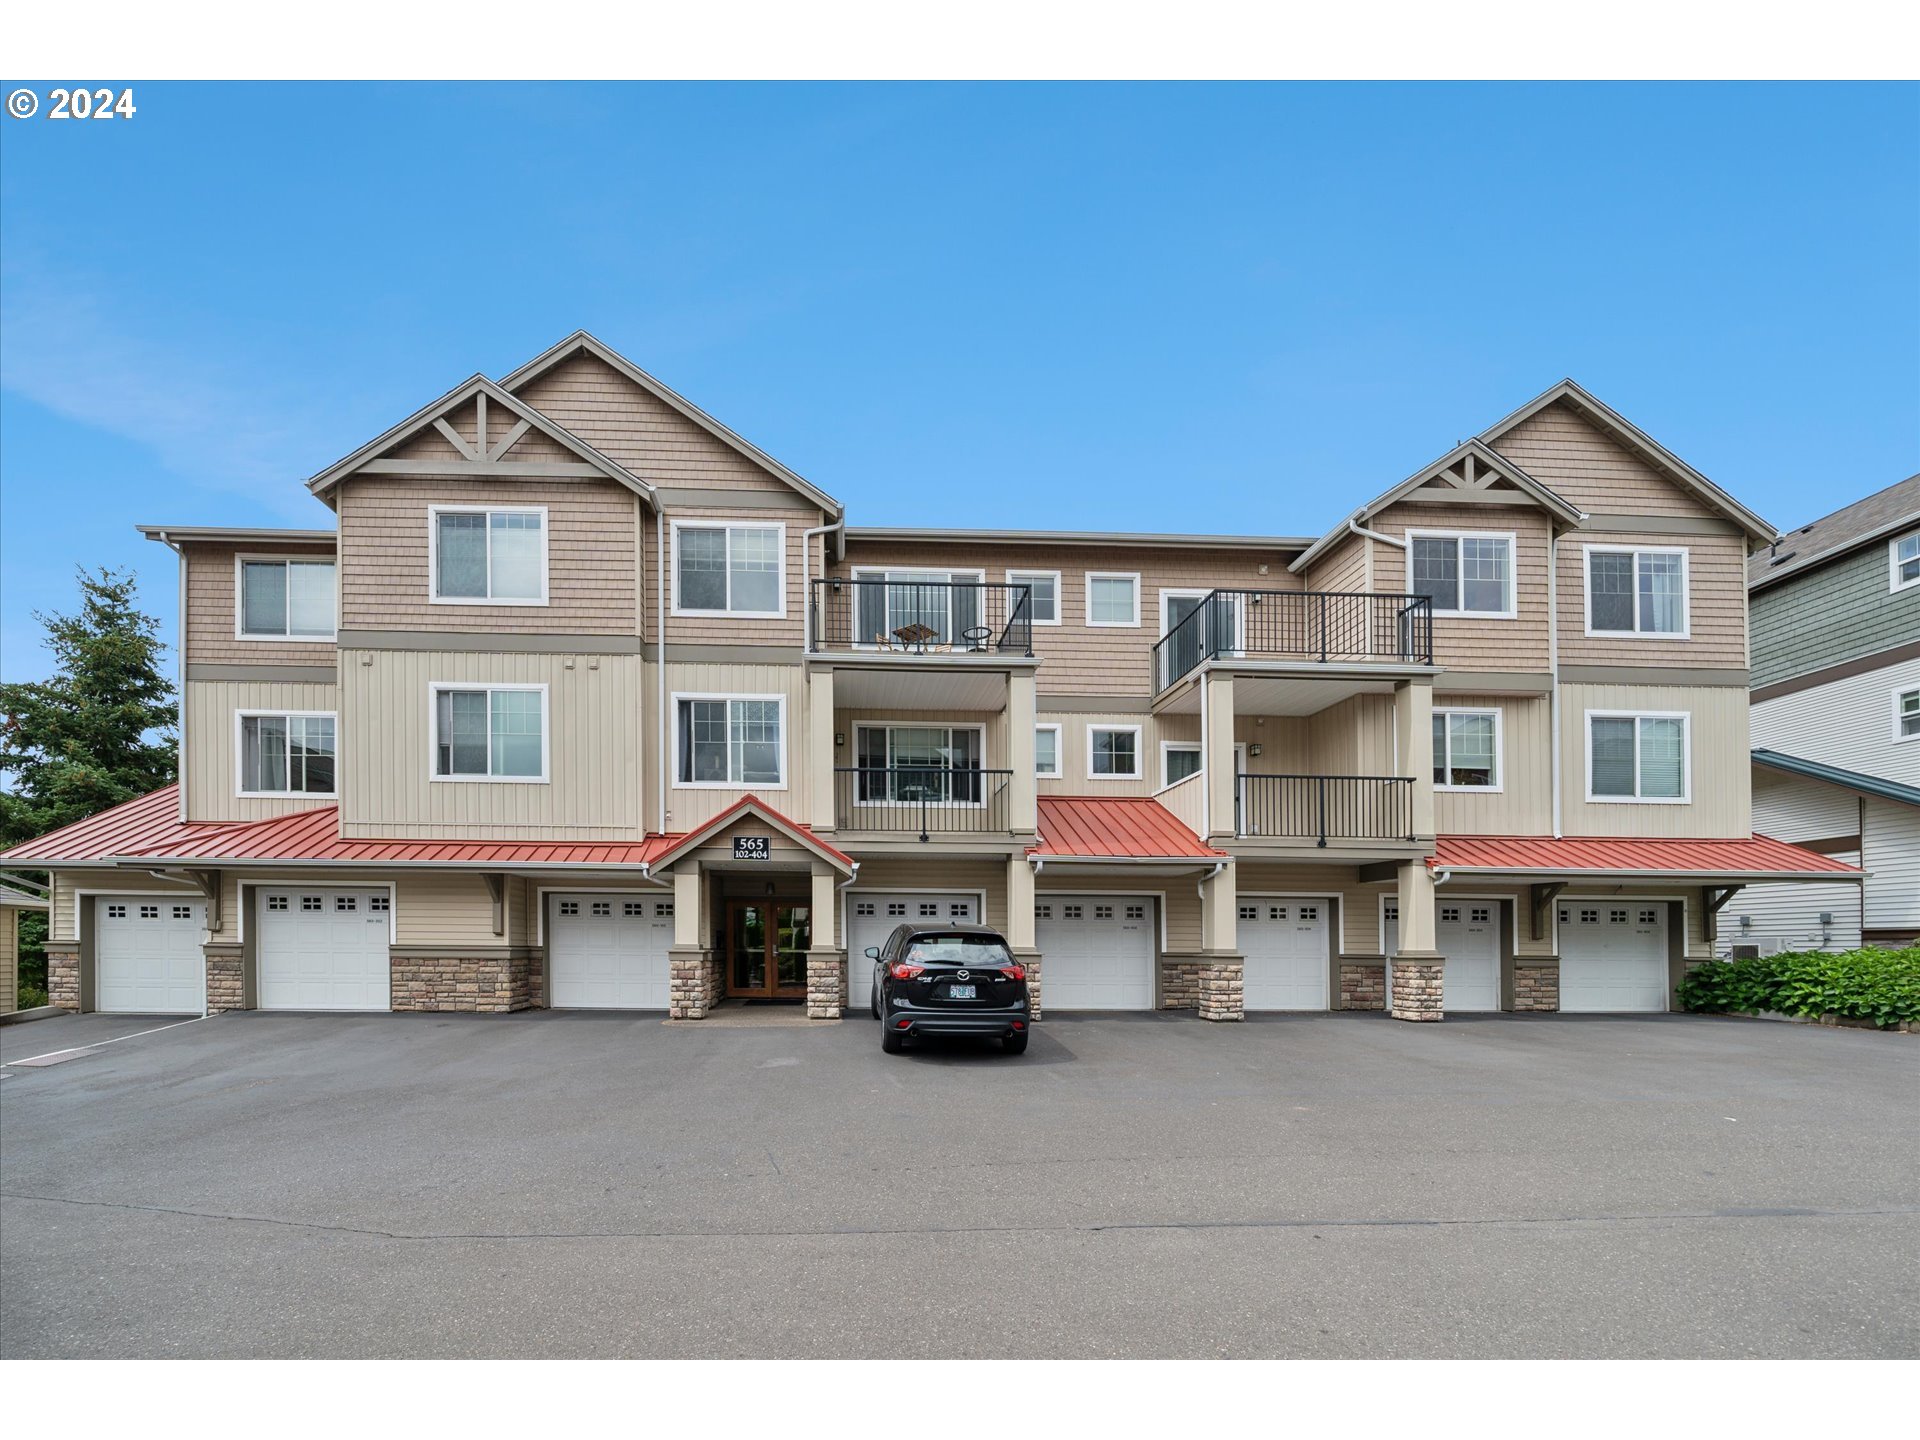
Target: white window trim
x=1059, y=771
x=860, y=804
x=1894, y=583
x=240, y=717
x=434, y=687
x=257, y=637
x=1513, y=570
x=1499, y=752
x=1685, y=797
x=434, y=512
x=1134, y=577
x=1138, y=759
x=1170, y=745
x=1685, y=632
x=741, y=785
x=1021, y=577
x=779, y=611
x=1898, y=738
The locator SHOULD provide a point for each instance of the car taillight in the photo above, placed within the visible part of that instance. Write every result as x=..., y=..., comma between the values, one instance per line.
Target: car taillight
x=906, y=972
x=1014, y=972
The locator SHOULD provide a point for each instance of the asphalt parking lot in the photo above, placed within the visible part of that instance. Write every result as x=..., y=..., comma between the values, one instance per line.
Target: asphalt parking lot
x=554, y=1184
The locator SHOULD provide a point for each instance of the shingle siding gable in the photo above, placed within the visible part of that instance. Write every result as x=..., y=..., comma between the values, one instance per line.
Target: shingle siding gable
x=1826, y=616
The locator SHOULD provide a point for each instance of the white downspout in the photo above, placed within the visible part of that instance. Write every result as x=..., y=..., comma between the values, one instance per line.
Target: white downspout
x=1201, y=888
x=1353, y=524
x=646, y=874
x=806, y=575
x=1553, y=669
x=660, y=664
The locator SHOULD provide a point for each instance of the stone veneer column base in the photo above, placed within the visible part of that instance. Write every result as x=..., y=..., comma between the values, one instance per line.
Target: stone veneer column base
x=490, y=985
x=226, y=977
x=689, y=983
x=1417, y=986
x=1363, y=985
x=1180, y=982
x=1029, y=960
x=1223, y=988
x=1536, y=987
x=826, y=984
x=63, y=976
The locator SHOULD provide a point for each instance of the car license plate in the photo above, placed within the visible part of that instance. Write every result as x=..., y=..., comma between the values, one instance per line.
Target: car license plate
x=960, y=992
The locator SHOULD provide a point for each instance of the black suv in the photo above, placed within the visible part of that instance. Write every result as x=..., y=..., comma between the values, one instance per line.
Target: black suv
x=948, y=980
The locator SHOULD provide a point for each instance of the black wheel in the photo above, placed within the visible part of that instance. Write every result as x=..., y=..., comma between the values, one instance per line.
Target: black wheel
x=893, y=1041
x=1014, y=1044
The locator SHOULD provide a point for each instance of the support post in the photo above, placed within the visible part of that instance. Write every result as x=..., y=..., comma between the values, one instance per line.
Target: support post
x=1020, y=928
x=1712, y=901
x=687, y=997
x=1416, y=987
x=1223, y=973
x=820, y=750
x=1540, y=900
x=826, y=962
x=1413, y=736
x=1023, y=810
x=497, y=889
x=1217, y=752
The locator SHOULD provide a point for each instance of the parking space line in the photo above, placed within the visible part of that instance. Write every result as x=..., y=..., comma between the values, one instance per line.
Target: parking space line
x=99, y=1044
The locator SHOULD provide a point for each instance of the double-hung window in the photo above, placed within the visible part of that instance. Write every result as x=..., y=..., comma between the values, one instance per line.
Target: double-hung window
x=286, y=599
x=1903, y=561
x=1113, y=752
x=490, y=732
x=729, y=569
x=1178, y=760
x=485, y=556
x=730, y=740
x=287, y=754
x=938, y=763
x=1112, y=600
x=1636, y=591
x=1046, y=752
x=1637, y=757
x=1044, y=586
x=1906, y=715
x=1463, y=574
x=1466, y=749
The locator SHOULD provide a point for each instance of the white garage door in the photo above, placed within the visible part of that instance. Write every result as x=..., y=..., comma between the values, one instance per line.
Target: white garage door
x=147, y=955
x=324, y=949
x=1096, y=952
x=872, y=916
x=1468, y=935
x=609, y=952
x=1613, y=956
x=1285, y=942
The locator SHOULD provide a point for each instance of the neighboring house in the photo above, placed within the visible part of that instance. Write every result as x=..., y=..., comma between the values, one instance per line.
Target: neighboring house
x=15, y=896
x=1836, y=724
x=591, y=703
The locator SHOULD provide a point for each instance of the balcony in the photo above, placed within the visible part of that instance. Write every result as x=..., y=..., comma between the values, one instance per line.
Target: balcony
x=922, y=800
x=1319, y=807
x=1309, y=626
x=913, y=619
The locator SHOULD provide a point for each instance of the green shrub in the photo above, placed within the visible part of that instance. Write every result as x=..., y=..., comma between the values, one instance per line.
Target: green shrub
x=1878, y=985
x=31, y=999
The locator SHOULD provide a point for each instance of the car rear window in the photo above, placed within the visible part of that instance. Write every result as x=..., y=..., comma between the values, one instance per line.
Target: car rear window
x=980, y=950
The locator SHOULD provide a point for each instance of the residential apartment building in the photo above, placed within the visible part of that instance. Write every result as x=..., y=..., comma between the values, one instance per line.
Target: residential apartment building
x=1836, y=724
x=589, y=702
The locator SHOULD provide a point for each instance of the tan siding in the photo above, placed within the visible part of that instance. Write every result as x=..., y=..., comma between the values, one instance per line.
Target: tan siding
x=1341, y=568
x=1580, y=464
x=211, y=622
x=65, y=886
x=9, y=959
x=1524, y=805
x=689, y=808
x=1355, y=737
x=592, y=576
x=1718, y=748
x=1078, y=659
x=1179, y=907
x=1478, y=642
x=213, y=777
x=1073, y=751
x=1716, y=605
x=883, y=872
x=594, y=729
x=1285, y=741
x=788, y=629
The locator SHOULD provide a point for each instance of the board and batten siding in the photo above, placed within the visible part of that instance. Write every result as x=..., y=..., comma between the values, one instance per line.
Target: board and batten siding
x=1718, y=764
x=594, y=785
x=689, y=807
x=1716, y=604
x=1075, y=745
x=1564, y=452
x=212, y=595
x=1523, y=805
x=212, y=772
x=1839, y=611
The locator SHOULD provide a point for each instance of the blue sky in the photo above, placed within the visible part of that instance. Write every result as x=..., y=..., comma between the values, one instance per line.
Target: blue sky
x=1157, y=307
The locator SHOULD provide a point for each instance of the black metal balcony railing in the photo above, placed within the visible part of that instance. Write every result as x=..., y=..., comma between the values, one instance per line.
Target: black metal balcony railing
x=1318, y=625
x=1347, y=807
x=922, y=799
x=920, y=617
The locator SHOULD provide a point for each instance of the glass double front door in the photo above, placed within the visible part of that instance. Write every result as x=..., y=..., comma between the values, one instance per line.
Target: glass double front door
x=767, y=944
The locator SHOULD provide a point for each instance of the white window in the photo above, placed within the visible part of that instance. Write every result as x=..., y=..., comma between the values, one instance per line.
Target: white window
x=1637, y=757
x=489, y=557
x=284, y=599
x=1178, y=760
x=1903, y=560
x=1463, y=574
x=729, y=569
x=286, y=754
x=919, y=607
x=490, y=732
x=1113, y=599
x=1906, y=715
x=1636, y=591
x=730, y=740
x=1046, y=593
x=1113, y=752
x=1466, y=749
x=1046, y=752
x=913, y=763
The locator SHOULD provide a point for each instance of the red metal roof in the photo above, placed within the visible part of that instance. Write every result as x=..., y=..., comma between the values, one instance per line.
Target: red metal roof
x=1115, y=828
x=1757, y=855
x=151, y=820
